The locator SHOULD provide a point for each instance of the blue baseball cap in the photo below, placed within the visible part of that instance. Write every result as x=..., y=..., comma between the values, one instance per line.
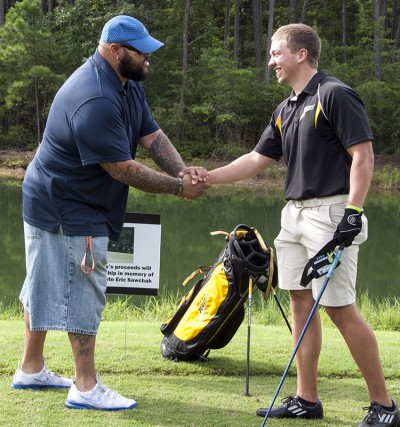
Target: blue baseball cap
x=127, y=30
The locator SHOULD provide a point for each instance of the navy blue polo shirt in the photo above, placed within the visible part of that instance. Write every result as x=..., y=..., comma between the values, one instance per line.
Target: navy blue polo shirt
x=93, y=119
x=311, y=132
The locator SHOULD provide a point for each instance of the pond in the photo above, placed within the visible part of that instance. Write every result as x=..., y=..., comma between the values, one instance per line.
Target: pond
x=186, y=242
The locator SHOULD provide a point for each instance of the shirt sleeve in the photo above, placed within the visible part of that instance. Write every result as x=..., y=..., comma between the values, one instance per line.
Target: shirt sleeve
x=270, y=143
x=149, y=125
x=99, y=132
x=347, y=115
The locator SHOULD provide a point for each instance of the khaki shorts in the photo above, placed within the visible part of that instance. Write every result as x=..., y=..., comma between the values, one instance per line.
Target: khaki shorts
x=306, y=226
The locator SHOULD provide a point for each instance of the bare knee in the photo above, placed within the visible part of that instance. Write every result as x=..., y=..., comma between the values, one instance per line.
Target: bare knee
x=301, y=301
x=342, y=316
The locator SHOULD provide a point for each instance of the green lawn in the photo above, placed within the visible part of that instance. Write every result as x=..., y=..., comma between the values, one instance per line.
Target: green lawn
x=181, y=394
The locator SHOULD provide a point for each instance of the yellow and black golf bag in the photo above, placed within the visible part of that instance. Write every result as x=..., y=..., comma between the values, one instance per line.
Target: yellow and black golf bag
x=209, y=315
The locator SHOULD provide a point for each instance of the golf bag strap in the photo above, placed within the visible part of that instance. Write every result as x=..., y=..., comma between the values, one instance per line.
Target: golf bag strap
x=260, y=240
x=319, y=263
x=241, y=229
x=271, y=273
x=214, y=233
x=201, y=269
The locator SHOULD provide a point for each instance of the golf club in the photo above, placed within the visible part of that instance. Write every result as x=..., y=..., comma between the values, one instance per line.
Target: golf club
x=250, y=299
x=281, y=309
x=248, y=336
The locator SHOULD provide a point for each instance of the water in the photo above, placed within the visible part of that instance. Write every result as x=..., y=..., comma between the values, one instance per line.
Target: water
x=186, y=242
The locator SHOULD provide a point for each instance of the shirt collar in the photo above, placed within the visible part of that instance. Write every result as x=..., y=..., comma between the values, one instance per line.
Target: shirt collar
x=314, y=82
x=311, y=87
x=108, y=71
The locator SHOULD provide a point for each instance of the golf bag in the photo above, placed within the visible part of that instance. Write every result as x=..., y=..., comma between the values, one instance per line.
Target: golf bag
x=209, y=315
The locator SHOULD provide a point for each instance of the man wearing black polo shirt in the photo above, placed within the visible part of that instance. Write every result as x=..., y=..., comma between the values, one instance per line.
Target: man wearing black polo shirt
x=74, y=199
x=322, y=133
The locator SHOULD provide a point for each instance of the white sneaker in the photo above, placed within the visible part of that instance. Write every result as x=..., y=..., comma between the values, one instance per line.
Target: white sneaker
x=43, y=379
x=99, y=397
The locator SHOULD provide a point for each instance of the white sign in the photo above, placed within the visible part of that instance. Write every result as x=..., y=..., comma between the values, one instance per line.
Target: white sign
x=134, y=260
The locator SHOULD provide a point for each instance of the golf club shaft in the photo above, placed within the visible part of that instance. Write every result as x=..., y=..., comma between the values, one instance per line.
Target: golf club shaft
x=328, y=276
x=281, y=310
x=248, y=336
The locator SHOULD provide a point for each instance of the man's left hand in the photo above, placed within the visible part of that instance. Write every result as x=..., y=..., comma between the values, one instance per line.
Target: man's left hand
x=197, y=173
x=348, y=227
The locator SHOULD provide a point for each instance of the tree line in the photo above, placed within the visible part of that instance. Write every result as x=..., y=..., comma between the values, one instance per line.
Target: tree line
x=209, y=87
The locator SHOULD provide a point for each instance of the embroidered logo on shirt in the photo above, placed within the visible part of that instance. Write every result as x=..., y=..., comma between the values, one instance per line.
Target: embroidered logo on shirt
x=306, y=109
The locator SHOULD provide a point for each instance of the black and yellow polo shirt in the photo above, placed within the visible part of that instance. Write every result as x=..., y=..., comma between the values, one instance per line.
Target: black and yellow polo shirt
x=311, y=132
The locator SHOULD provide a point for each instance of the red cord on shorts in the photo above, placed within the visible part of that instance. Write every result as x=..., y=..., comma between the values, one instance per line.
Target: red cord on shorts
x=88, y=250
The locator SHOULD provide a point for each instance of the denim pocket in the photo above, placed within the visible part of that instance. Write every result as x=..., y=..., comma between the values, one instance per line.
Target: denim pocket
x=32, y=232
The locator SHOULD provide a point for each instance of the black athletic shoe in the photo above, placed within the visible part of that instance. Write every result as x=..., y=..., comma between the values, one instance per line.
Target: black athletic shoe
x=377, y=416
x=292, y=408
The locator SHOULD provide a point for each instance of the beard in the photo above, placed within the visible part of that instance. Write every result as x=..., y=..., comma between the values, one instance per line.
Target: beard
x=131, y=70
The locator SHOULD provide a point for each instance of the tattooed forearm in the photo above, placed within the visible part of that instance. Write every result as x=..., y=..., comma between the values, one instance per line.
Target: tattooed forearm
x=165, y=155
x=141, y=177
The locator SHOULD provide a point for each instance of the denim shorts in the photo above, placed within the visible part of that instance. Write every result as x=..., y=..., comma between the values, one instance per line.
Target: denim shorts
x=56, y=293
x=306, y=226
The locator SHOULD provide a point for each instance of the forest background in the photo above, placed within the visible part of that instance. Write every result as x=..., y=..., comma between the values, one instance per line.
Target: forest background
x=209, y=87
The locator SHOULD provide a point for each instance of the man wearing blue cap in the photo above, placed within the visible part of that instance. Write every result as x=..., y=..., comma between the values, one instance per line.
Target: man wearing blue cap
x=74, y=199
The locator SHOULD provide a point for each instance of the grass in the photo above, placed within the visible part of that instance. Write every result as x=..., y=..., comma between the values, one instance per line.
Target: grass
x=174, y=394
x=387, y=178
x=381, y=314
x=192, y=394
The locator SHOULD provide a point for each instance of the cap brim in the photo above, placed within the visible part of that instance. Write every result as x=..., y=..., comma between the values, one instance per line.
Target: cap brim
x=146, y=45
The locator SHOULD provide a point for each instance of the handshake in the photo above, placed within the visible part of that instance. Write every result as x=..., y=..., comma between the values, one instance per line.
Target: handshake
x=193, y=182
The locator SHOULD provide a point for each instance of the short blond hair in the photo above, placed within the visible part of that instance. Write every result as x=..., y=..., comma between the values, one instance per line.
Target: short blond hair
x=300, y=36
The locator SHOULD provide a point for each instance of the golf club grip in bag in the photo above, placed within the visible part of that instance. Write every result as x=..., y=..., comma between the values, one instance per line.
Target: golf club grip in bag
x=209, y=315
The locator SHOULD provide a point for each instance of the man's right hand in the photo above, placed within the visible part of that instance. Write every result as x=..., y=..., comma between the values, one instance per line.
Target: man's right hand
x=193, y=191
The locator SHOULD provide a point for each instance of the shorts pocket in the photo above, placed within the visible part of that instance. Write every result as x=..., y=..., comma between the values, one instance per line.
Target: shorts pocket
x=336, y=213
x=32, y=232
x=319, y=214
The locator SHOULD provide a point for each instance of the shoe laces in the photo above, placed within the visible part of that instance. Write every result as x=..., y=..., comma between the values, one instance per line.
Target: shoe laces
x=107, y=392
x=287, y=400
x=48, y=372
x=373, y=410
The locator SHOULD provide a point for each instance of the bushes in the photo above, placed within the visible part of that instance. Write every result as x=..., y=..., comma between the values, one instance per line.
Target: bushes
x=383, y=109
